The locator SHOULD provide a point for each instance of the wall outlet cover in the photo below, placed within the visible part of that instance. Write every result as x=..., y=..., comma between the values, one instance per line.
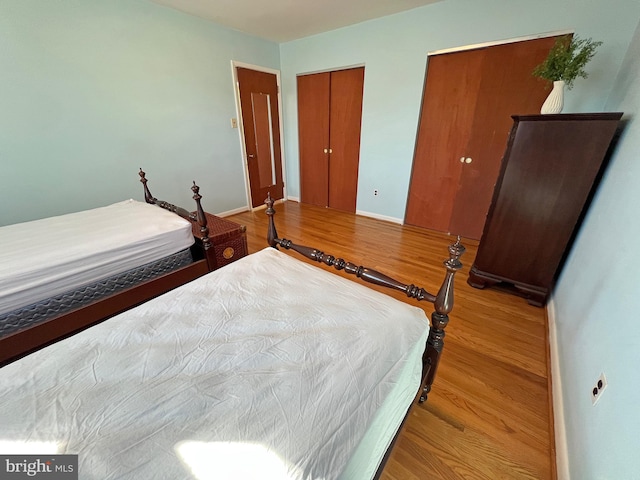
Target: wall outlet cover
x=598, y=388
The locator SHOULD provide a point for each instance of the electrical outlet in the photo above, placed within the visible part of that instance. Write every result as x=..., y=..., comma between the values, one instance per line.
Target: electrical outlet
x=375, y=192
x=598, y=388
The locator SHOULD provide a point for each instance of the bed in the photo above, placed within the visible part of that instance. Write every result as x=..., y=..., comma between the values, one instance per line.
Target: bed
x=61, y=274
x=267, y=368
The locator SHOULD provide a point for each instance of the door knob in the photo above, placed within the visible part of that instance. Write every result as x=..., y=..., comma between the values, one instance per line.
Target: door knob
x=251, y=156
x=465, y=160
x=326, y=150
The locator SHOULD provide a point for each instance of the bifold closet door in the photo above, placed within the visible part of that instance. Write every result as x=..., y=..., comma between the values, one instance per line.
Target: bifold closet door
x=448, y=107
x=329, y=121
x=313, y=137
x=345, y=119
x=469, y=97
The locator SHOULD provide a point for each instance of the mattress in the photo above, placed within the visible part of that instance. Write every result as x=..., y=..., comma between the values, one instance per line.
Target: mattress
x=34, y=313
x=268, y=359
x=47, y=257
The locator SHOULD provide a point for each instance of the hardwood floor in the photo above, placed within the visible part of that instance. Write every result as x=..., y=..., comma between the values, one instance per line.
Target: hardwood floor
x=487, y=416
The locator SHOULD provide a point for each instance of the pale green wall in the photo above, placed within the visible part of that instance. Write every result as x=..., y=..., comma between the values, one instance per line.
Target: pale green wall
x=597, y=304
x=394, y=51
x=90, y=90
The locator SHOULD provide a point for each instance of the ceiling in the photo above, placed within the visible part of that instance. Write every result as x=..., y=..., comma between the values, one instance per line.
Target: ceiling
x=286, y=20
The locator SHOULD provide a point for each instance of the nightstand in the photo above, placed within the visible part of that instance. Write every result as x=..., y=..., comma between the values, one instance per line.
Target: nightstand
x=228, y=240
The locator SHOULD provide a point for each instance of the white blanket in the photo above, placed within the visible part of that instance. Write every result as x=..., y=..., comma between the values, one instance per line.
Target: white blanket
x=268, y=368
x=43, y=258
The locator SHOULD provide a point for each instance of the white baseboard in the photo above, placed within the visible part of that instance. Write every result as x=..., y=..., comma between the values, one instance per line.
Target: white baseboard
x=562, y=454
x=363, y=213
x=232, y=212
x=380, y=217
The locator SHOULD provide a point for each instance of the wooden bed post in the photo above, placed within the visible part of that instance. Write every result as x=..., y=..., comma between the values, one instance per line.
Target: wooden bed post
x=201, y=218
x=147, y=194
x=439, y=319
x=271, y=232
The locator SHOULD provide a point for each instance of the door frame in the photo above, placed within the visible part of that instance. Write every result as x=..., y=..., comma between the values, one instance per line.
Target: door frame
x=505, y=41
x=243, y=147
x=332, y=69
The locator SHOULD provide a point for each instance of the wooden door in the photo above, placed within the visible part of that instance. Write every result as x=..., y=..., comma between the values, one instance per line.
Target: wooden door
x=345, y=113
x=261, y=128
x=462, y=135
x=446, y=118
x=329, y=123
x=313, y=137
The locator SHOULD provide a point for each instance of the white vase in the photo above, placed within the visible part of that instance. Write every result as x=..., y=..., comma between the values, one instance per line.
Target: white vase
x=555, y=100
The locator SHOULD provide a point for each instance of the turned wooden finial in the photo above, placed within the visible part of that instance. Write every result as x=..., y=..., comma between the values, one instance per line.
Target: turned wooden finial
x=201, y=217
x=147, y=194
x=444, y=298
x=196, y=191
x=272, y=234
x=269, y=202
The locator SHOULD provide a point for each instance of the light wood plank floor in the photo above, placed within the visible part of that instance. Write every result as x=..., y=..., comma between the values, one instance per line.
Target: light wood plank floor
x=487, y=416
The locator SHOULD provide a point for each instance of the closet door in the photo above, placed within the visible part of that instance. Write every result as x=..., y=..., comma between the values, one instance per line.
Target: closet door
x=329, y=120
x=446, y=119
x=313, y=137
x=476, y=93
x=345, y=114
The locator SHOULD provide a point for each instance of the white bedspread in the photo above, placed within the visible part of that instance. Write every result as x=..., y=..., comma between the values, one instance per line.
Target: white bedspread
x=268, y=368
x=43, y=258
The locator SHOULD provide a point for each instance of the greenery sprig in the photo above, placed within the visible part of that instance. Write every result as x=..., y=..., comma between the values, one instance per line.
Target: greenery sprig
x=567, y=59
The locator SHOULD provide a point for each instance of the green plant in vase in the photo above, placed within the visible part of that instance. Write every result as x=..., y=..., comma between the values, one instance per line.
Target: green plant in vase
x=566, y=62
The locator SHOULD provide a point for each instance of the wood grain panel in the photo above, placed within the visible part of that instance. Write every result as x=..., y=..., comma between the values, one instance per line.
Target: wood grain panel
x=344, y=137
x=551, y=167
x=469, y=97
x=261, y=83
x=446, y=118
x=507, y=88
x=313, y=135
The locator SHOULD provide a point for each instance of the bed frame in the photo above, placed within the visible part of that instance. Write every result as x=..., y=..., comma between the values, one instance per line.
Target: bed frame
x=205, y=251
x=442, y=301
x=23, y=342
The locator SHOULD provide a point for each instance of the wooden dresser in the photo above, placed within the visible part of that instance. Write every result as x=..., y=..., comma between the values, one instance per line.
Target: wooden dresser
x=550, y=170
x=228, y=240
